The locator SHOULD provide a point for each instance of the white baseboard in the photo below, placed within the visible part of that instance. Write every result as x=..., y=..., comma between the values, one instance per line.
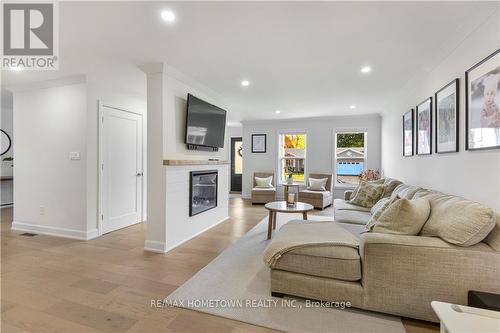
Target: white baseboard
x=161, y=247
x=155, y=246
x=54, y=231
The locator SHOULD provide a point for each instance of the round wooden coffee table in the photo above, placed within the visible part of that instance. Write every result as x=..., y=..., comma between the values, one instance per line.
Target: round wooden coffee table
x=281, y=207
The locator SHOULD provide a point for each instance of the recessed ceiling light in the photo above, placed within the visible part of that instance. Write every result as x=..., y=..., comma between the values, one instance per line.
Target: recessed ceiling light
x=278, y=111
x=366, y=69
x=352, y=107
x=168, y=16
x=245, y=83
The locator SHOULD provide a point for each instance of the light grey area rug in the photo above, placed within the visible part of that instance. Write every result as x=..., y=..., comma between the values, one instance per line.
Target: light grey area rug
x=236, y=285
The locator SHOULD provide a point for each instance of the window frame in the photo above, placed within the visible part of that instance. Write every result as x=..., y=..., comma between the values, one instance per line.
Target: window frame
x=279, y=179
x=334, y=159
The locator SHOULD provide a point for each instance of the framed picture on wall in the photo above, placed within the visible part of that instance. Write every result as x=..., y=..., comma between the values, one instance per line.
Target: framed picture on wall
x=408, y=133
x=258, y=143
x=447, y=118
x=482, y=104
x=424, y=127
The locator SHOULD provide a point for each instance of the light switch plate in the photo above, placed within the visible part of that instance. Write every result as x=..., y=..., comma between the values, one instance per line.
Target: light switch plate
x=74, y=155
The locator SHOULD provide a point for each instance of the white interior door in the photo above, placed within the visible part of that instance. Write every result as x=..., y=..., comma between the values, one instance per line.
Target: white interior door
x=121, y=169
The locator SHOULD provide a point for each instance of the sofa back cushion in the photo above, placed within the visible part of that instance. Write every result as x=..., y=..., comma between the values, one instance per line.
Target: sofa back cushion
x=389, y=185
x=403, y=217
x=457, y=220
x=493, y=238
x=405, y=191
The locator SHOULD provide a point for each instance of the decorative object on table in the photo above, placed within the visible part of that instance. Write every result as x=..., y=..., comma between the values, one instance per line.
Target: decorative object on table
x=369, y=175
x=291, y=197
x=258, y=143
x=5, y=142
x=408, y=133
x=424, y=127
x=8, y=159
x=447, y=105
x=482, y=104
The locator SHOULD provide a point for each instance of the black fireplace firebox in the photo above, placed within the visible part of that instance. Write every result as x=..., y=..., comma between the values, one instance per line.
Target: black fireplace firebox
x=202, y=191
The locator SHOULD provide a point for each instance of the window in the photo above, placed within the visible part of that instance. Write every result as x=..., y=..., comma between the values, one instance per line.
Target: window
x=350, y=156
x=292, y=158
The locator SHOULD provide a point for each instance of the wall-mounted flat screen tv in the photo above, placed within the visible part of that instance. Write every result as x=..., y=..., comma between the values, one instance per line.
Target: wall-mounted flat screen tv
x=205, y=123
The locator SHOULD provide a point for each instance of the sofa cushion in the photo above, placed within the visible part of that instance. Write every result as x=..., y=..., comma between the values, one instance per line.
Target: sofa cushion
x=314, y=194
x=403, y=217
x=405, y=191
x=352, y=216
x=263, y=190
x=343, y=204
x=368, y=194
x=389, y=185
x=493, y=238
x=457, y=220
x=336, y=262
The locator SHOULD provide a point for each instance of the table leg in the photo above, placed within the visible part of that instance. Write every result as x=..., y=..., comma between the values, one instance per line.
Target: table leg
x=270, y=224
x=274, y=219
x=304, y=215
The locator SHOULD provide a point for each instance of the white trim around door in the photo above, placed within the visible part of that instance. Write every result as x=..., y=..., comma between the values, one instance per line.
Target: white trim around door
x=120, y=168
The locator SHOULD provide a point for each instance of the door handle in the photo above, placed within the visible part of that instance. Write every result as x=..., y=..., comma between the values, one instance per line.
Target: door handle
x=140, y=174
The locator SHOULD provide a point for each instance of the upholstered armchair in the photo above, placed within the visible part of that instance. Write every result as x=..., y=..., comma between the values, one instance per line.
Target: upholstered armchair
x=262, y=195
x=319, y=199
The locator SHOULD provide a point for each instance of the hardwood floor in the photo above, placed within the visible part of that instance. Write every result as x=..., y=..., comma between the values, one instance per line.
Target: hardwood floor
x=51, y=284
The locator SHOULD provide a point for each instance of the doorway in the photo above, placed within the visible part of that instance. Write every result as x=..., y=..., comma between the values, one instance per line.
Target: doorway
x=121, y=169
x=236, y=164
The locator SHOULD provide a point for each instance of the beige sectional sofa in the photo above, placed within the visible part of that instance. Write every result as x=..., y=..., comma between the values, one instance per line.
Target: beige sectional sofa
x=387, y=273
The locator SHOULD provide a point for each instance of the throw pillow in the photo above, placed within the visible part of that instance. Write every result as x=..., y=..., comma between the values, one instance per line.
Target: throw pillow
x=317, y=184
x=368, y=194
x=457, y=220
x=403, y=217
x=264, y=182
x=379, y=181
x=377, y=210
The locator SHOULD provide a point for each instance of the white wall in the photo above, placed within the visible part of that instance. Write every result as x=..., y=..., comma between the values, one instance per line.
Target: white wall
x=106, y=89
x=6, y=170
x=320, y=143
x=169, y=223
x=49, y=188
x=472, y=174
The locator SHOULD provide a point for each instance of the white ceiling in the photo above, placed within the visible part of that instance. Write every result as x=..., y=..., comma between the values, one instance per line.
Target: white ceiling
x=301, y=58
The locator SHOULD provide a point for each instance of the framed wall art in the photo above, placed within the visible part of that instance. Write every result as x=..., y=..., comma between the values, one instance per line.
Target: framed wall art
x=447, y=116
x=423, y=114
x=408, y=133
x=482, y=101
x=258, y=143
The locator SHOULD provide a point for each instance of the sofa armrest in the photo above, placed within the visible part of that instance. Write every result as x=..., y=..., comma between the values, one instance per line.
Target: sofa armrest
x=403, y=274
x=347, y=195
